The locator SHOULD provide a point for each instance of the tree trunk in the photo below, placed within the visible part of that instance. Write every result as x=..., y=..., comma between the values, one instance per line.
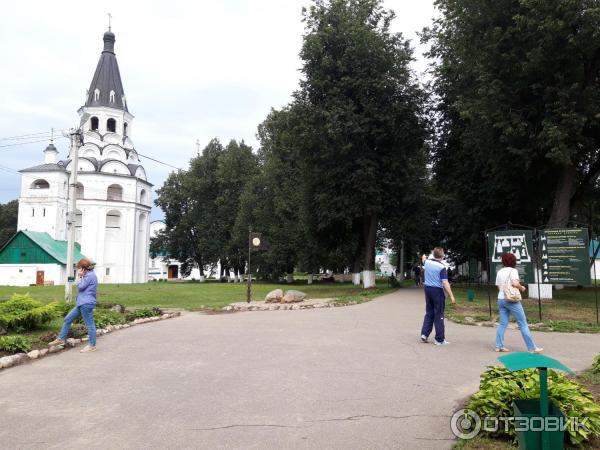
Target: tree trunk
x=400, y=270
x=358, y=261
x=200, y=269
x=565, y=190
x=370, y=237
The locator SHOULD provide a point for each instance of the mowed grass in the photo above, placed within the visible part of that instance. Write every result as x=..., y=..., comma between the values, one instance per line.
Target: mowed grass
x=193, y=295
x=571, y=309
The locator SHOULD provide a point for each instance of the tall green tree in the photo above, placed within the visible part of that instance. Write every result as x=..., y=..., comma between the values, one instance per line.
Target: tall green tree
x=237, y=165
x=519, y=111
x=9, y=214
x=193, y=233
x=362, y=112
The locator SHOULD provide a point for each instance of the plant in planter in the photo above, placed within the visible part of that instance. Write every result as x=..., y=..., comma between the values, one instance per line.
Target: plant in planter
x=499, y=387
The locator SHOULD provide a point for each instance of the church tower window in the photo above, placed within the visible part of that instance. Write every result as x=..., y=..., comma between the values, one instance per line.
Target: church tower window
x=125, y=129
x=79, y=191
x=114, y=192
x=111, y=96
x=40, y=184
x=143, y=196
x=111, y=125
x=113, y=219
x=96, y=94
x=94, y=123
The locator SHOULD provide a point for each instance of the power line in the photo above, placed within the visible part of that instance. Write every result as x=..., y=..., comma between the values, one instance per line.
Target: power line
x=30, y=142
x=160, y=162
x=33, y=135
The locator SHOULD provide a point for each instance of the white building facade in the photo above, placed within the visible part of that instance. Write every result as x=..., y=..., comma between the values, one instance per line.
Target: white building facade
x=114, y=197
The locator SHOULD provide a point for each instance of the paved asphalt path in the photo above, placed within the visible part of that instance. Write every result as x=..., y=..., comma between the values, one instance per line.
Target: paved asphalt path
x=337, y=378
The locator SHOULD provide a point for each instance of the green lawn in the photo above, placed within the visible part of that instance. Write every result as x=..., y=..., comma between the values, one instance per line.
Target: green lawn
x=571, y=309
x=190, y=295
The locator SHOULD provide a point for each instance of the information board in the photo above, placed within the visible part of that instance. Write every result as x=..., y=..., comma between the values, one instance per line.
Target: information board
x=517, y=242
x=565, y=256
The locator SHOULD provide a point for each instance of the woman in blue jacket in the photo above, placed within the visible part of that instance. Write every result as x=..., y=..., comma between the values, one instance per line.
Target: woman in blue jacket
x=87, y=283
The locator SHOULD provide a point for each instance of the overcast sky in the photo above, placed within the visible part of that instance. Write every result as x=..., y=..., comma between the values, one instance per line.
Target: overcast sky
x=190, y=70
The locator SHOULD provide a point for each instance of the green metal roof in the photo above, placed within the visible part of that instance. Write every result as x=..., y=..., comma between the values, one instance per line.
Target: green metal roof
x=55, y=250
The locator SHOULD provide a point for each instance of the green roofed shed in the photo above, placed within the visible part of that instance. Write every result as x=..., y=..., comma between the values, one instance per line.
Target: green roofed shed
x=34, y=247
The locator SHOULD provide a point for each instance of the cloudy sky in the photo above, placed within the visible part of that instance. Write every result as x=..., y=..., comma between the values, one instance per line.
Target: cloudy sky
x=190, y=69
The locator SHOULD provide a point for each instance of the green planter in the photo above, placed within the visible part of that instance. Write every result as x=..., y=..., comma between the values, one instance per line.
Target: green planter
x=532, y=440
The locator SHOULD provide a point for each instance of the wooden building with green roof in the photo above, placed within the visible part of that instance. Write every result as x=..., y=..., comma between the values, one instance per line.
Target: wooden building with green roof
x=32, y=257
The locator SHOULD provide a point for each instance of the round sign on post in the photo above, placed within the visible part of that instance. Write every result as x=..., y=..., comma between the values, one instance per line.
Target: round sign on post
x=256, y=242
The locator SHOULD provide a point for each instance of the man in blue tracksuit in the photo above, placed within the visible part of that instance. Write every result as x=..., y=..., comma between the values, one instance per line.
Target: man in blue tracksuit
x=436, y=282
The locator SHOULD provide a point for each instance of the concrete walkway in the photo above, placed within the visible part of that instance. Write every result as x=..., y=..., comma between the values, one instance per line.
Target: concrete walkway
x=340, y=378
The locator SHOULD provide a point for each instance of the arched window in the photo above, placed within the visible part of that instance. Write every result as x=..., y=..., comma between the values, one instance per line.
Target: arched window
x=40, y=184
x=114, y=192
x=79, y=191
x=96, y=94
x=125, y=129
x=113, y=219
x=94, y=123
x=143, y=196
x=111, y=96
x=111, y=125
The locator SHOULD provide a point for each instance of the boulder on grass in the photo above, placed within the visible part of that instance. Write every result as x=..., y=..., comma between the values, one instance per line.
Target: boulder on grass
x=293, y=297
x=274, y=296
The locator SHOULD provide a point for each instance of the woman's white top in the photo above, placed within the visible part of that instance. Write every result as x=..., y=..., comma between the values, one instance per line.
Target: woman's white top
x=503, y=277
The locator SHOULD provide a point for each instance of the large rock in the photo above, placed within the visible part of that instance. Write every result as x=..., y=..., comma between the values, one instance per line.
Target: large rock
x=293, y=297
x=3, y=331
x=274, y=296
x=118, y=308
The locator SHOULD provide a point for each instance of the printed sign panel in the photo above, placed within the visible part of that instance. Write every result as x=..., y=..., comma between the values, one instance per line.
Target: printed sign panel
x=564, y=256
x=517, y=242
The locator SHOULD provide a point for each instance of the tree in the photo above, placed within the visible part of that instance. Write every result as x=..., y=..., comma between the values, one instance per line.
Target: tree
x=363, y=124
x=9, y=214
x=236, y=167
x=188, y=199
x=519, y=110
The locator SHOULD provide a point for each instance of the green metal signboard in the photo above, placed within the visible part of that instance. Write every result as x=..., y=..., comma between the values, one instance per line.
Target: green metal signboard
x=517, y=242
x=564, y=256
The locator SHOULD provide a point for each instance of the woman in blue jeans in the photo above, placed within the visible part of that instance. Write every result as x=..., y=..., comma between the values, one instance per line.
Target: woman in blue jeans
x=87, y=283
x=509, y=275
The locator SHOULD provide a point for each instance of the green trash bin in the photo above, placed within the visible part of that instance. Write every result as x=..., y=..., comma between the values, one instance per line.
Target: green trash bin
x=471, y=294
x=532, y=439
x=536, y=438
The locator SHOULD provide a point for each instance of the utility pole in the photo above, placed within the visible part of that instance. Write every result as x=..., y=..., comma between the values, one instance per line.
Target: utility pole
x=76, y=138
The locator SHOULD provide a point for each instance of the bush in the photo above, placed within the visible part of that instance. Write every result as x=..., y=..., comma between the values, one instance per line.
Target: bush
x=77, y=331
x=104, y=318
x=499, y=387
x=15, y=344
x=596, y=365
x=143, y=313
x=22, y=312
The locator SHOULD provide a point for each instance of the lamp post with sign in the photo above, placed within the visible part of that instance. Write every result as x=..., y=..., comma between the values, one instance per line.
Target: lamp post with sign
x=254, y=243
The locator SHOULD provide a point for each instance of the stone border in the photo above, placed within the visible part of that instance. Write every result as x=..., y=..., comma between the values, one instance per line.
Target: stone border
x=20, y=358
x=305, y=304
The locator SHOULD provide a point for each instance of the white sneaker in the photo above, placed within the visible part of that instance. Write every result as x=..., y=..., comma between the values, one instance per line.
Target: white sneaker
x=87, y=349
x=444, y=342
x=424, y=339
